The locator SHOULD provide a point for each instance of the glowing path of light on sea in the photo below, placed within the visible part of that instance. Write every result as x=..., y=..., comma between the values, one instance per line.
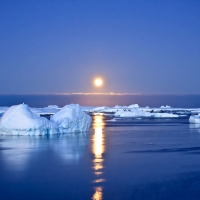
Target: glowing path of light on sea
x=98, y=149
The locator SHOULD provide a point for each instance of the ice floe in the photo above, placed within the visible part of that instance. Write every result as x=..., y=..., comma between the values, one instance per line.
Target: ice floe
x=71, y=118
x=195, y=119
x=134, y=106
x=165, y=106
x=136, y=113
x=165, y=115
x=132, y=113
x=20, y=120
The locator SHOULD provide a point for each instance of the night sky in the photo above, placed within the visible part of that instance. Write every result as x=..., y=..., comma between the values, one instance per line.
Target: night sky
x=136, y=46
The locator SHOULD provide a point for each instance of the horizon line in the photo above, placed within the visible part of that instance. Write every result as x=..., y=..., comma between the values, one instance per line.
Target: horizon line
x=101, y=93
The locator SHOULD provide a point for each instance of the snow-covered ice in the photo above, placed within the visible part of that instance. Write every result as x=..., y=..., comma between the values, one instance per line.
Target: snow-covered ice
x=165, y=106
x=164, y=115
x=133, y=106
x=19, y=120
x=133, y=113
x=195, y=119
x=71, y=118
x=22, y=120
x=139, y=113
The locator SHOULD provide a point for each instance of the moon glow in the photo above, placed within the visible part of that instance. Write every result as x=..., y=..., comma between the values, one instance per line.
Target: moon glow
x=98, y=82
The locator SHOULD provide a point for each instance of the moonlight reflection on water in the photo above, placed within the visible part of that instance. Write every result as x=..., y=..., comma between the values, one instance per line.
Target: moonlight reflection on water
x=98, y=150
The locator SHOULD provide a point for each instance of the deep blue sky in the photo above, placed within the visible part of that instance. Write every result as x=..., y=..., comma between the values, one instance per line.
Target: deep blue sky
x=136, y=46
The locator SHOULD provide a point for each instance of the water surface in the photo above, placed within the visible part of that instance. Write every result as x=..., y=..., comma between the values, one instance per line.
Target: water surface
x=129, y=159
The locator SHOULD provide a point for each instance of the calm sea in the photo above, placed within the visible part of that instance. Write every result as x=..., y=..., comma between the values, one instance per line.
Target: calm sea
x=119, y=160
x=185, y=101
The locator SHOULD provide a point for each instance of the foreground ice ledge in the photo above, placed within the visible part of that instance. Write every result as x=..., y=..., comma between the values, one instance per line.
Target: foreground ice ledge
x=19, y=120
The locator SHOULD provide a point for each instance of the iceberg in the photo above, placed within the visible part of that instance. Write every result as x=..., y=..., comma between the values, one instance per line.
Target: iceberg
x=136, y=113
x=133, y=113
x=164, y=115
x=133, y=106
x=52, y=106
x=117, y=106
x=195, y=119
x=165, y=106
x=99, y=109
x=71, y=118
x=19, y=120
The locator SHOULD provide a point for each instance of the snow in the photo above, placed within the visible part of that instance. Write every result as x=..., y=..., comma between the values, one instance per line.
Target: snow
x=195, y=119
x=71, y=118
x=165, y=115
x=139, y=113
x=19, y=120
x=133, y=113
x=134, y=106
x=165, y=106
x=52, y=106
x=22, y=120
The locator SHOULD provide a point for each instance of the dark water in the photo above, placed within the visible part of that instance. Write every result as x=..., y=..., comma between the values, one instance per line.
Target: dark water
x=134, y=159
x=184, y=101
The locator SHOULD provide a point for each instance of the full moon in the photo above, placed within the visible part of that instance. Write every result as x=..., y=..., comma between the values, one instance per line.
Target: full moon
x=98, y=82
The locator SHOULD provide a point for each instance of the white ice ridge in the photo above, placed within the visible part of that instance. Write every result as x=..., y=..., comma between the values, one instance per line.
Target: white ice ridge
x=132, y=113
x=165, y=106
x=139, y=113
x=164, y=115
x=195, y=119
x=71, y=118
x=19, y=120
x=133, y=106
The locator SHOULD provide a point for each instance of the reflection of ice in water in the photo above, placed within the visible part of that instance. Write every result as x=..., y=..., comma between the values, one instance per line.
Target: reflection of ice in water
x=16, y=150
x=69, y=146
x=98, y=149
x=195, y=127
